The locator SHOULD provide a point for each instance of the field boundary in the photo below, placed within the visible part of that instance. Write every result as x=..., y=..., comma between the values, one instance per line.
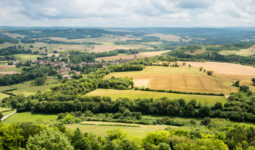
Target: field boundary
x=178, y=92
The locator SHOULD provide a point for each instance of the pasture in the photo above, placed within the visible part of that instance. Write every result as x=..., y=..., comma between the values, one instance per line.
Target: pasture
x=101, y=128
x=26, y=57
x=243, y=52
x=133, y=94
x=31, y=117
x=26, y=88
x=178, y=79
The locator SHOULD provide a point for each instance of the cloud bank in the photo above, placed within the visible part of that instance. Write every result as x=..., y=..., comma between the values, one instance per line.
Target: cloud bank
x=128, y=13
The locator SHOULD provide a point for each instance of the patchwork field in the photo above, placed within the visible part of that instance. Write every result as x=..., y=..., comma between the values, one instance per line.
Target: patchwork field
x=8, y=69
x=133, y=94
x=179, y=79
x=133, y=56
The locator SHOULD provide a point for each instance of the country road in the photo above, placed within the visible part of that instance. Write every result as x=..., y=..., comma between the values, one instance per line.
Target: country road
x=5, y=117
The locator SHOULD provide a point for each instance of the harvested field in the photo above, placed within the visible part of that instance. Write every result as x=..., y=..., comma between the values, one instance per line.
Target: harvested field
x=179, y=79
x=8, y=69
x=107, y=48
x=225, y=68
x=134, y=94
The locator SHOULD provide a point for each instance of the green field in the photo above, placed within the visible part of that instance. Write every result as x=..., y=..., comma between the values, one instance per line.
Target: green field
x=2, y=95
x=30, y=117
x=133, y=94
x=101, y=128
x=26, y=57
x=27, y=89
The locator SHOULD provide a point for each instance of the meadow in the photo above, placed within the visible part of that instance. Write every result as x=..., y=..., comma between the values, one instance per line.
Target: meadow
x=133, y=94
x=26, y=88
x=243, y=52
x=26, y=57
x=101, y=128
x=31, y=117
x=188, y=79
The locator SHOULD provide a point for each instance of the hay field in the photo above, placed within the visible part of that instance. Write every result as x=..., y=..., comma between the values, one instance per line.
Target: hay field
x=225, y=68
x=179, y=79
x=133, y=94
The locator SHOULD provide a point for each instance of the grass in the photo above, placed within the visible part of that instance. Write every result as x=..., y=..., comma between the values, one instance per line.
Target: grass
x=4, y=109
x=31, y=117
x=27, y=89
x=8, y=68
x=243, y=52
x=2, y=95
x=178, y=79
x=133, y=94
x=101, y=128
x=26, y=57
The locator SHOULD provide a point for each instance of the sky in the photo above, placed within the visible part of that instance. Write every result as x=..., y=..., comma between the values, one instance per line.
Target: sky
x=128, y=13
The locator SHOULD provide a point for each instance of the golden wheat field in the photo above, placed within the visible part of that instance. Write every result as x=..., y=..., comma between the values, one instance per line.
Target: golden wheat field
x=179, y=79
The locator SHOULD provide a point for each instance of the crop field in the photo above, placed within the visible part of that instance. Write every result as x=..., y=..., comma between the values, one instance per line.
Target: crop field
x=27, y=89
x=9, y=69
x=177, y=78
x=133, y=94
x=111, y=46
x=101, y=128
x=132, y=56
x=31, y=117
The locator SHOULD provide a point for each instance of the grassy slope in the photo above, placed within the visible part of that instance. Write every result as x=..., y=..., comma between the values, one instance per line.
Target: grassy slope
x=132, y=94
x=27, y=89
x=30, y=117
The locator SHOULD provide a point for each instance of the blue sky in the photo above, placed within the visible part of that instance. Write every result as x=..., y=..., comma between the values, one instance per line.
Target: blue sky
x=128, y=13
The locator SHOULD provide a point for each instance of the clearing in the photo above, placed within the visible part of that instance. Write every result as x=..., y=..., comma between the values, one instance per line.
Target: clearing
x=133, y=94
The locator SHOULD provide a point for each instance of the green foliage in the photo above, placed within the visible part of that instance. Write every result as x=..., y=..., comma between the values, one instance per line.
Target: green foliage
x=39, y=81
x=236, y=84
x=209, y=73
x=253, y=81
x=49, y=140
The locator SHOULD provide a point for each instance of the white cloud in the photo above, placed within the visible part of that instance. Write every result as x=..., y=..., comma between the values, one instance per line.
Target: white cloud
x=127, y=13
